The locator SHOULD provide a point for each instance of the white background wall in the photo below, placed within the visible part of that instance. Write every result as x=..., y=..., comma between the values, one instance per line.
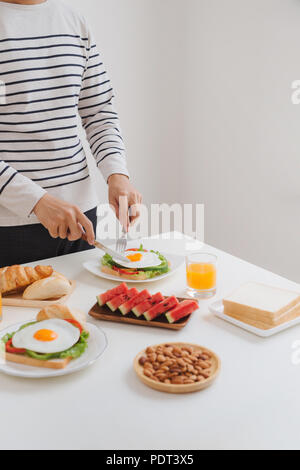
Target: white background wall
x=203, y=90
x=142, y=46
x=243, y=137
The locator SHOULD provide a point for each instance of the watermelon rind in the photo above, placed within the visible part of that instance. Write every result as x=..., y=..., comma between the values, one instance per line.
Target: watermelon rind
x=100, y=303
x=169, y=318
x=147, y=316
x=110, y=306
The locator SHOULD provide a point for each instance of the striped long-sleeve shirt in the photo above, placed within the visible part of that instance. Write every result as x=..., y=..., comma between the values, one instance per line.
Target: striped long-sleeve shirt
x=51, y=71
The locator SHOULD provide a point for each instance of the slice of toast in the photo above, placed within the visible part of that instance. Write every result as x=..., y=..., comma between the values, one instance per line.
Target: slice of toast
x=30, y=361
x=138, y=277
x=62, y=312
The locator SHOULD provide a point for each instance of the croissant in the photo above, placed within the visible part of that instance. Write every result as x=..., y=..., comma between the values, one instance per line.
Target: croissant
x=14, y=278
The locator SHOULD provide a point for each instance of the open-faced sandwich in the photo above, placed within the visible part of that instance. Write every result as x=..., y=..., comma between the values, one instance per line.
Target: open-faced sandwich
x=142, y=264
x=34, y=283
x=58, y=336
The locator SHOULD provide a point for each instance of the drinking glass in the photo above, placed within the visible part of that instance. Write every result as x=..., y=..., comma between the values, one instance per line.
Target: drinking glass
x=201, y=273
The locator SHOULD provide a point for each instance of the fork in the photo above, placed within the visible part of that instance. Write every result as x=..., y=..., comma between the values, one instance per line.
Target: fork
x=122, y=242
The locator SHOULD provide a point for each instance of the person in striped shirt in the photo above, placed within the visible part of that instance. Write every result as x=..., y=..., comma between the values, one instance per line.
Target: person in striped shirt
x=51, y=72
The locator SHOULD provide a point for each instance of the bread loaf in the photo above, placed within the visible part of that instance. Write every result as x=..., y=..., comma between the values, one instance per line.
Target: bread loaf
x=15, y=278
x=53, y=287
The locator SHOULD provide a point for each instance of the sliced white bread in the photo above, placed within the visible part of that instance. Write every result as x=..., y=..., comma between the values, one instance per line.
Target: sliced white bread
x=139, y=277
x=62, y=312
x=262, y=306
x=29, y=361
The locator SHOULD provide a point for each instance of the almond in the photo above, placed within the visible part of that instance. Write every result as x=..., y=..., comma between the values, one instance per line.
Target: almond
x=149, y=350
x=188, y=381
x=204, y=365
x=147, y=373
x=177, y=380
x=161, y=358
x=152, y=357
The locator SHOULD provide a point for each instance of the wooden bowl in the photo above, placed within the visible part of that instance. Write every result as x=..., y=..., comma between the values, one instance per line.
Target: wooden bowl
x=187, y=388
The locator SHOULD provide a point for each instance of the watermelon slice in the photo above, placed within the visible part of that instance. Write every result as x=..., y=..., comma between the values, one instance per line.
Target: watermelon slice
x=161, y=308
x=182, y=310
x=127, y=306
x=118, y=300
x=108, y=295
x=147, y=304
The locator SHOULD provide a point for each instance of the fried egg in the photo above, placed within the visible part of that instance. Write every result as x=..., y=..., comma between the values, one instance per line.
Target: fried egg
x=139, y=260
x=47, y=337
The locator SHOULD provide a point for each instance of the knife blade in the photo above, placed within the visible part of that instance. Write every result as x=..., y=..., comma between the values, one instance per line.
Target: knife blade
x=111, y=252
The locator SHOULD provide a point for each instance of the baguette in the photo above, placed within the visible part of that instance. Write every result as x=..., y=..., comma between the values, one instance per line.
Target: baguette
x=53, y=287
x=15, y=278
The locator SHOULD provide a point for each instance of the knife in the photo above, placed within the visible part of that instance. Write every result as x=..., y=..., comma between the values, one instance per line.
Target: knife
x=111, y=252
x=107, y=250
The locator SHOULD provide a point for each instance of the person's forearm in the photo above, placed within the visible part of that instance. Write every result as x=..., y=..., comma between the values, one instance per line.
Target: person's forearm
x=63, y=219
x=17, y=192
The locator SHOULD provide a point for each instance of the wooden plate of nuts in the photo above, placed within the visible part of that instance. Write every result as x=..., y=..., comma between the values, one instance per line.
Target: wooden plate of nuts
x=177, y=367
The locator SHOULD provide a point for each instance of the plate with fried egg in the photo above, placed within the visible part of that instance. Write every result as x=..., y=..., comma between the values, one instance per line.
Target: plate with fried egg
x=143, y=265
x=58, y=342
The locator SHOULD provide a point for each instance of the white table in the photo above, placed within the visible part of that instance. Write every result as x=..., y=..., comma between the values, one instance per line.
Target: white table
x=253, y=404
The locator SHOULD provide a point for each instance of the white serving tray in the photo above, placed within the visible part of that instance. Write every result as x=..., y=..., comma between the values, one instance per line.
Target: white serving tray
x=217, y=309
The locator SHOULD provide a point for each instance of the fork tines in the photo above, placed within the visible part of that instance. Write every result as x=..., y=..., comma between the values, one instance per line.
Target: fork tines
x=122, y=242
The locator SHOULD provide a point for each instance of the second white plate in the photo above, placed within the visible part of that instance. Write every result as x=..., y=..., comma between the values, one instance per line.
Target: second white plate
x=97, y=344
x=94, y=267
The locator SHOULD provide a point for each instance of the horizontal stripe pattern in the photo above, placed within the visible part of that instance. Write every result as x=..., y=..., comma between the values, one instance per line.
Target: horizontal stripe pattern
x=49, y=79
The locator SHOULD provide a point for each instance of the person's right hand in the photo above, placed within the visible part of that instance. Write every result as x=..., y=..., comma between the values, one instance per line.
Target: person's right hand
x=63, y=220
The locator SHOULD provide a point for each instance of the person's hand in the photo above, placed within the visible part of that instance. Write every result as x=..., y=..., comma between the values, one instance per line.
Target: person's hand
x=124, y=198
x=63, y=220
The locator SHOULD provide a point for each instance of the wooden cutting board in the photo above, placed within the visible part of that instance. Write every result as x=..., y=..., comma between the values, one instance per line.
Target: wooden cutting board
x=104, y=313
x=16, y=300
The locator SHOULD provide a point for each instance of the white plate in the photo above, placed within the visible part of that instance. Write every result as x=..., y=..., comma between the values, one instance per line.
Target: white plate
x=217, y=309
x=94, y=267
x=97, y=344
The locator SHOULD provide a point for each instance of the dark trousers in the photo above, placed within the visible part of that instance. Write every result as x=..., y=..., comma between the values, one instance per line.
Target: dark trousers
x=28, y=243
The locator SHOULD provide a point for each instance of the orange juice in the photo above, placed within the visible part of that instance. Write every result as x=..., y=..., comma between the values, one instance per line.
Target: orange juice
x=201, y=276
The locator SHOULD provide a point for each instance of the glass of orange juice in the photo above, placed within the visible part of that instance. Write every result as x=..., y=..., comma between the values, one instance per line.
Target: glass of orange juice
x=201, y=273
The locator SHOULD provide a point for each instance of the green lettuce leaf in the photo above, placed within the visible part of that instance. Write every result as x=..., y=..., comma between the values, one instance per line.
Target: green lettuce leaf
x=150, y=271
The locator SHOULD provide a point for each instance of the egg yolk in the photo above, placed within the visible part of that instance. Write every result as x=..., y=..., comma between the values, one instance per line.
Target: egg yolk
x=45, y=335
x=135, y=257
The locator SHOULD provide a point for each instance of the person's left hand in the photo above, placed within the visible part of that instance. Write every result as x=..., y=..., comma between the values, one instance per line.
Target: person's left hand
x=124, y=198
